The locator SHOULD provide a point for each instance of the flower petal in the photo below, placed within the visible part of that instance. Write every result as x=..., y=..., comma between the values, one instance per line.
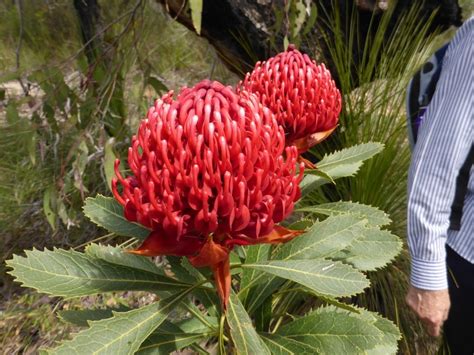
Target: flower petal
x=279, y=234
x=222, y=279
x=210, y=254
x=159, y=244
x=303, y=144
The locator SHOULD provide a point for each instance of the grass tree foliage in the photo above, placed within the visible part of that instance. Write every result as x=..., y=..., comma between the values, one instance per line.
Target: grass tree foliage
x=328, y=262
x=373, y=91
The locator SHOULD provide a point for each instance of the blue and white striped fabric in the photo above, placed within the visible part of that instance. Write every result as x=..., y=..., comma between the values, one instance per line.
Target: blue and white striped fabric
x=444, y=141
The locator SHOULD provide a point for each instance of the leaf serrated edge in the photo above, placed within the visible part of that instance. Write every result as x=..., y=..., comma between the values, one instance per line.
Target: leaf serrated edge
x=100, y=196
x=368, y=283
x=379, y=146
x=386, y=215
x=180, y=296
x=62, y=252
x=378, y=268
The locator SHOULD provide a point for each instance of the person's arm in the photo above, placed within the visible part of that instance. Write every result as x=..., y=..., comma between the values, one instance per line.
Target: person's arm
x=443, y=145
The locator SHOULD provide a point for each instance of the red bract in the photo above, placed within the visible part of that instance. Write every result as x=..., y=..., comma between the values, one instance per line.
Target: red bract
x=301, y=94
x=210, y=171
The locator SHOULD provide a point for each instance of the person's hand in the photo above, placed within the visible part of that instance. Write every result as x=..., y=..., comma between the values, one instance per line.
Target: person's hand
x=431, y=307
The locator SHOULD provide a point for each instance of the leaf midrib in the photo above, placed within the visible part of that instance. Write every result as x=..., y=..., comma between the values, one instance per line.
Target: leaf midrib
x=98, y=279
x=105, y=346
x=269, y=266
x=237, y=321
x=319, y=241
x=277, y=344
x=179, y=336
x=255, y=280
x=360, y=156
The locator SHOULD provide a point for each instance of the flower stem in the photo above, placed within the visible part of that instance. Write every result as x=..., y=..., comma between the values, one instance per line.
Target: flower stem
x=198, y=315
x=221, y=335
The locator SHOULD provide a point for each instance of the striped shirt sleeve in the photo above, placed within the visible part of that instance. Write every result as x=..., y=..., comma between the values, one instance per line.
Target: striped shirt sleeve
x=444, y=141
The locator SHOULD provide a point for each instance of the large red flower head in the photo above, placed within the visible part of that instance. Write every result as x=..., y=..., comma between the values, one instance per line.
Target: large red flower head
x=301, y=94
x=210, y=170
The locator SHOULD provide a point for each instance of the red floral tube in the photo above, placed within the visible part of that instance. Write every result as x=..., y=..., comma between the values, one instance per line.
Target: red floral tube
x=209, y=170
x=301, y=94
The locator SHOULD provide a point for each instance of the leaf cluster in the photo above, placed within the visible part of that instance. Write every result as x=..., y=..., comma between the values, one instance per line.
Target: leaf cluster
x=268, y=309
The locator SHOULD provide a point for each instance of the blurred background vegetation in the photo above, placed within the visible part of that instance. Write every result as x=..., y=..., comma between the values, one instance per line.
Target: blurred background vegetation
x=77, y=76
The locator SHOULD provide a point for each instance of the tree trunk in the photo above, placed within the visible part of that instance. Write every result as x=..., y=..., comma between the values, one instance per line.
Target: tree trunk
x=240, y=29
x=88, y=12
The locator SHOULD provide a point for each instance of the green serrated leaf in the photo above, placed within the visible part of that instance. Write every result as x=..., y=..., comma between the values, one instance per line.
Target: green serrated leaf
x=374, y=216
x=82, y=317
x=245, y=338
x=255, y=253
x=261, y=288
x=325, y=331
x=323, y=239
x=121, y=334
x=263, y=315
x=336, y=303
x=352, y=155
x=374, y=249
x=322, y=276
x=179, y=271
x=197, y=274
x=183, y=270
x=119, y=256
x=196, y=14
x=391, y=335
x=343, y=163
x=279, y=345
x=106, y=212
x=302, y=224
x=68, y=273
x=171, y=337
x=319, y=173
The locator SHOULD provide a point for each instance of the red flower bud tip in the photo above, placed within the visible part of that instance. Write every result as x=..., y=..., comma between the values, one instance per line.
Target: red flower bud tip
x=210, y=170
x=301, y=94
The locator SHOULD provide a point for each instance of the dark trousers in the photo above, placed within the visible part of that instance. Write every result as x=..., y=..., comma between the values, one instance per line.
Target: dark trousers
x=459, y=328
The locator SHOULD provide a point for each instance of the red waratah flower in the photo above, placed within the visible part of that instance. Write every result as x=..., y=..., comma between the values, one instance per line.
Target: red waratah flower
x=301, y=94
x=210, y=171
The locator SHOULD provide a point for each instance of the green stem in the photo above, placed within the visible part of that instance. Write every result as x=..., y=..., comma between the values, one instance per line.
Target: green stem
x=199, y=349
x=282, y=306
x=221, y=335
x=198, y=315
x=277, y=325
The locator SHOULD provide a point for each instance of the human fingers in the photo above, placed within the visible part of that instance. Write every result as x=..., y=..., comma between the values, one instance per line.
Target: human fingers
x=433, y=329
x=446, y=314
x=413, y=302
